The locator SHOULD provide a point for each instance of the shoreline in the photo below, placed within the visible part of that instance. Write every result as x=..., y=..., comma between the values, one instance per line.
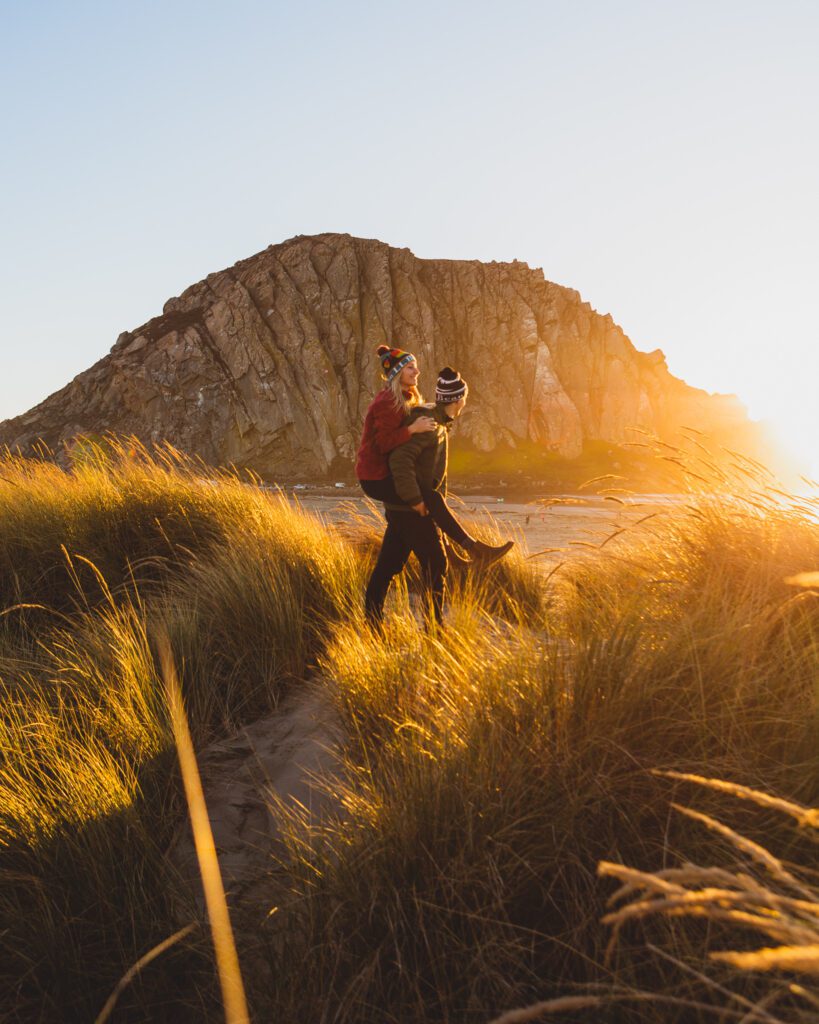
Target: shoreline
x=547, y=529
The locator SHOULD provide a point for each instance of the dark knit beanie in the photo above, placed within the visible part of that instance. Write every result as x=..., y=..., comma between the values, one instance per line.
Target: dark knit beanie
x=393, y=360
x=451, y=387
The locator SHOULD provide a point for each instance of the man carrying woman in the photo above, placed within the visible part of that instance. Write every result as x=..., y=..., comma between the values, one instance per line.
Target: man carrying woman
x=402, y=462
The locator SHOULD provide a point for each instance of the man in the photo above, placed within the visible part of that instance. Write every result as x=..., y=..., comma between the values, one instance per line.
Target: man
x=420, y=464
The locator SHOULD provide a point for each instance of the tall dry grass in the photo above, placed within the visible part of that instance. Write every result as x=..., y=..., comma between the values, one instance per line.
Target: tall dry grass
x=93, y=564
x=487, y=769
x=490, y=770
x=753, y=896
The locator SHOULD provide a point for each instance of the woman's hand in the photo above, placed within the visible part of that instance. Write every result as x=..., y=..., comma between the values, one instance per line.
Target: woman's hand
x=422, y=424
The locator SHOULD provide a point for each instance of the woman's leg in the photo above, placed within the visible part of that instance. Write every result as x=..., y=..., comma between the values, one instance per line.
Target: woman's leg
x=384, y=490
x=444, y=518
x=481, y=554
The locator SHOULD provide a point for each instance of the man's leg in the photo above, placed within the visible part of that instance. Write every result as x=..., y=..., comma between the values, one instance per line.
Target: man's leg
x=425, y=541
x=391, y=560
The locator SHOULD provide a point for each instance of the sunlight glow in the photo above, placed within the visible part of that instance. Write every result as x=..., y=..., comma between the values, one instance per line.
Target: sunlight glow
x=793, y=422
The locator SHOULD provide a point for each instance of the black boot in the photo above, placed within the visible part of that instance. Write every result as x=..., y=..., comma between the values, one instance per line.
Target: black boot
x=485, y=554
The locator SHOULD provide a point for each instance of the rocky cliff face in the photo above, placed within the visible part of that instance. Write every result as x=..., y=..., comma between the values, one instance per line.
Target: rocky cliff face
x=271, y=364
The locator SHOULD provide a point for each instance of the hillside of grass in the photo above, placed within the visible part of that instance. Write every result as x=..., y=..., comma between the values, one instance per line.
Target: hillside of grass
x=487, y=769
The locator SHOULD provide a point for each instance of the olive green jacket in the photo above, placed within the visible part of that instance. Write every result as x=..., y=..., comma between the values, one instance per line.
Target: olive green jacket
x=421, y=461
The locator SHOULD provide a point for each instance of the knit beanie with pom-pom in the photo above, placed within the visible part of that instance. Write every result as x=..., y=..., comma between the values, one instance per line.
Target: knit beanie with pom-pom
x=451, y=387
x=393, y=360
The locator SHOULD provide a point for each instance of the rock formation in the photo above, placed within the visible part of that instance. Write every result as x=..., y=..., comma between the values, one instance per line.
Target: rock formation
x=271, y=363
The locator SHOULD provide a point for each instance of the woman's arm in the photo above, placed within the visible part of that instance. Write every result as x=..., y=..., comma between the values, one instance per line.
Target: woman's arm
x=389, y=430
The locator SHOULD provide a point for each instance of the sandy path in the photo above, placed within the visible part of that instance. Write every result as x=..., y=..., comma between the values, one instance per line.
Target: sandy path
x=277, y=761
x=280, y=760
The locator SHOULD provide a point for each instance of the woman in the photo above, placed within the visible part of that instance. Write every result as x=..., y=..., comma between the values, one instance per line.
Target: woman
x=385, y=429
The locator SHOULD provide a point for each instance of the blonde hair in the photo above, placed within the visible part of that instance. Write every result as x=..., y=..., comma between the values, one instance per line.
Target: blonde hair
x=404, y=398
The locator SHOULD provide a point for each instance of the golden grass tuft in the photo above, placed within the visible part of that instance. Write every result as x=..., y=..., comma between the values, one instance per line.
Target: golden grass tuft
x=758, y=896
x=487, y=770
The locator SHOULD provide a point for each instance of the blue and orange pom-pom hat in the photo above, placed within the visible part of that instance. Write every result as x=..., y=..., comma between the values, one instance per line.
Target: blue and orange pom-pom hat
x=393, y=360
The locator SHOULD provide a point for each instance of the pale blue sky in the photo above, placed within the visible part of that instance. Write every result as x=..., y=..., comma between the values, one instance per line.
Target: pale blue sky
x=662, y=158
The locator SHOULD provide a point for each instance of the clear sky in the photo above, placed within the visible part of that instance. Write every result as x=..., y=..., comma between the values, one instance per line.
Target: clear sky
x=660, y=157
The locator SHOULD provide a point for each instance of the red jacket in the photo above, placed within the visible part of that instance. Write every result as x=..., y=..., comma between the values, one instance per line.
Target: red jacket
x=383, y=431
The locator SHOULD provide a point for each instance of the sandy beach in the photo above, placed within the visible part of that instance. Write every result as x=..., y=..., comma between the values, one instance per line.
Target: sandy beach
x=549, y=529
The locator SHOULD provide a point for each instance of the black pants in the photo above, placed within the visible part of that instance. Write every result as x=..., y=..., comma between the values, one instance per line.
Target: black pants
x=408, y=532
x=439, y=511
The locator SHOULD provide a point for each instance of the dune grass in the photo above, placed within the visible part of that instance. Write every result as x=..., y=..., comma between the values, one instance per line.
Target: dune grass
x=487, y=769
x=245, y=587
x=490, y=771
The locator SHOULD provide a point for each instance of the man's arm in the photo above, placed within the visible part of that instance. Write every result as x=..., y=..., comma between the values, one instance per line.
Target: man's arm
x=440, y=474
x=403, y=461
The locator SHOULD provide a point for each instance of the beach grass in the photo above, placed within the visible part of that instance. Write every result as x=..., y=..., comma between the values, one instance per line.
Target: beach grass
x=487, y=769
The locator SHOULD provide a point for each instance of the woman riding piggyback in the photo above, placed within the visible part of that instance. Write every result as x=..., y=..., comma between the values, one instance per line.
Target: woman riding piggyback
x=384, y=423
x=388, y=423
